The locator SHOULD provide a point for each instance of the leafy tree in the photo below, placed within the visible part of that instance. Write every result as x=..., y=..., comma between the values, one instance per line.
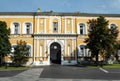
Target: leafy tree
x=5, y=46
x=101, y=38
x=21, y=53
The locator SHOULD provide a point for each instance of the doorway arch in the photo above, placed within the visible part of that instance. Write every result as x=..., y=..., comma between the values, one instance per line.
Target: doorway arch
x=55, y=53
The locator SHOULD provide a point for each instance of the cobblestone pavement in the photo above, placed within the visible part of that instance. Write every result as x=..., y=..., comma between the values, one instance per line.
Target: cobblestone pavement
x=65, y=73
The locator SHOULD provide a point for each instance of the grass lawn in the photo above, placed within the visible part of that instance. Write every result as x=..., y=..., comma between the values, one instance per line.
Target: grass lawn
x=112, y=66
x=107, y=66
x=3, y=68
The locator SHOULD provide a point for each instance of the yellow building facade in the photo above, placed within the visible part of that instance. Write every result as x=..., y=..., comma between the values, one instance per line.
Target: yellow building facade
x=53, y=37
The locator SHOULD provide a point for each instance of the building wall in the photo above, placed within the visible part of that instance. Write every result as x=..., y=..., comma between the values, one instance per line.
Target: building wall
x=42, y=35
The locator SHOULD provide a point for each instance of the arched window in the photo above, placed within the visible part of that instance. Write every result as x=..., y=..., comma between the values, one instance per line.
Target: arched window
x=27, y=28
x=81, y=29
x=83, y=52
x=113, y=26
x=15, y=28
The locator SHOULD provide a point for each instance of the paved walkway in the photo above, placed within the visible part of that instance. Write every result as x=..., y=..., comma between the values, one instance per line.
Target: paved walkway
x=34, y=74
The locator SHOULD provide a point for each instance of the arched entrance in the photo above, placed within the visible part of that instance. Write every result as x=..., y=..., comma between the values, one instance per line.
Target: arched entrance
x=55, y=53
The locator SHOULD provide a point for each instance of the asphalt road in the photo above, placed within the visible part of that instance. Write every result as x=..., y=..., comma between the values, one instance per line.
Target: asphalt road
x=64, y=72
x=72, y=72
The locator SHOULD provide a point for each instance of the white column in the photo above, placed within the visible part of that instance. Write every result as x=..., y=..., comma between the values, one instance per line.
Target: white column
x=75, y=55
x=48, y=54
x=69, y=51
x=72, y=27
x=45, y=47
x=40, y=50
x=38, y=21
x=65, y=25
x=60, y=25
x=37, y=48
x=34, y=49
x=45, y=25
x=73, y=48
x=65, y=48
x=50, y=25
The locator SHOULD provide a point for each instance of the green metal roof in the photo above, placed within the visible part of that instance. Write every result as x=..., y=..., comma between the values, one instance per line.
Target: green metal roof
x=58, y=14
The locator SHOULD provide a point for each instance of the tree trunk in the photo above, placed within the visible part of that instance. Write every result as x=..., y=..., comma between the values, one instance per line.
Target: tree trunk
x=97, y=58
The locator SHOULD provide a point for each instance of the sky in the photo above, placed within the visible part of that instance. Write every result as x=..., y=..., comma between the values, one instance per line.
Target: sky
x=83, y=6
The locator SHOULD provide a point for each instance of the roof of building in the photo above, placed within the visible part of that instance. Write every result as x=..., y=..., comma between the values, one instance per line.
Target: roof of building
x=51, y=13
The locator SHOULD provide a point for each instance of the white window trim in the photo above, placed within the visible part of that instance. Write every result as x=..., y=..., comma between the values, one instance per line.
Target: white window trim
x=84, y=28
x=12, y=28
x=24, y=28
x=79, y=51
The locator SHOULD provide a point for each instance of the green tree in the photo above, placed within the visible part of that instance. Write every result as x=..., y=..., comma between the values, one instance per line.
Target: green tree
x=21, y=53
x=101, y=38
x=5, y=46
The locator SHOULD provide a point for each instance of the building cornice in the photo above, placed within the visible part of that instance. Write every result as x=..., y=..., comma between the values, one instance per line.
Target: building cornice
x=56, y=14
x=54, y=35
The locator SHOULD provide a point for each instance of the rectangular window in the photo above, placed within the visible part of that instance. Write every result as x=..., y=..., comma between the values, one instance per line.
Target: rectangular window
x=55, y=27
